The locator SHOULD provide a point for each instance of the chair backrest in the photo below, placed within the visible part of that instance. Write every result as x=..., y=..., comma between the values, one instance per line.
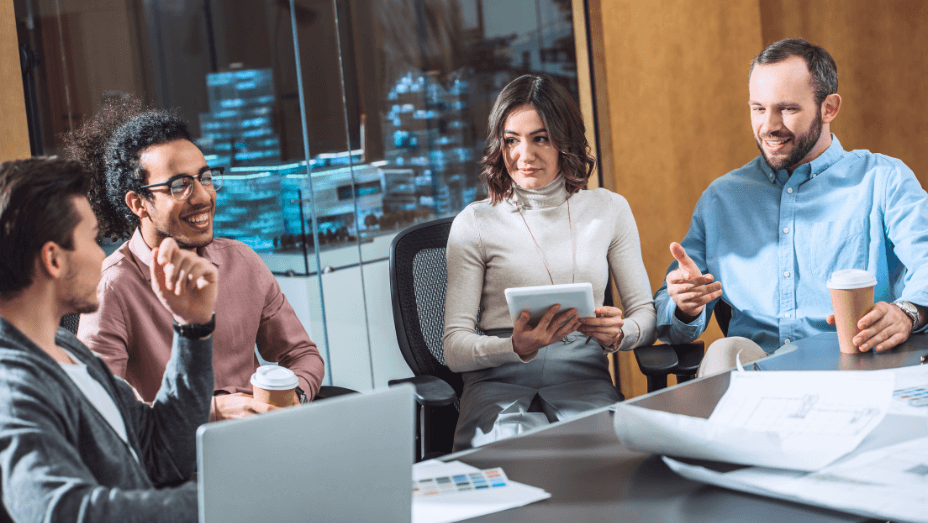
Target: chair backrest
x=722, y=313
x=70, y=322
x=418, y=283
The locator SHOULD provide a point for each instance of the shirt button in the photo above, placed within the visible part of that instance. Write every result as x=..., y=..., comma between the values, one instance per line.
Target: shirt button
x=790, y=190
x=786, y=274
x=787, y=340
x=787, y=315
x=786, y=230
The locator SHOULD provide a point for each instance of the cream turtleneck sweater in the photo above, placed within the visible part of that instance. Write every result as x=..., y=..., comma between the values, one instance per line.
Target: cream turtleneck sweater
x=490, y=250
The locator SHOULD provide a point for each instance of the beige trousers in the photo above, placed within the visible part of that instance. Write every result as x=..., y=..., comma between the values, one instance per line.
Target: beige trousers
x=722, y=353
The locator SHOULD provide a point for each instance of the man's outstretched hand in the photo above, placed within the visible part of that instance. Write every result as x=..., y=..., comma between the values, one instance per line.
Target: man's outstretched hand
x=688, y=287
x=185, y=283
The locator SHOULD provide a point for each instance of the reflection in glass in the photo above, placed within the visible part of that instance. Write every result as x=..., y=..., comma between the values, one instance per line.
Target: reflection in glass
x=397, y=97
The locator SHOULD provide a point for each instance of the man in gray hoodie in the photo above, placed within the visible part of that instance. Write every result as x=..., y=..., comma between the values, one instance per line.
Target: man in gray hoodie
x=75, y=444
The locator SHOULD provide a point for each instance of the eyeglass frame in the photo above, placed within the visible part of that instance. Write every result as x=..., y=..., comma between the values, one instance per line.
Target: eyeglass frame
x=198, y=178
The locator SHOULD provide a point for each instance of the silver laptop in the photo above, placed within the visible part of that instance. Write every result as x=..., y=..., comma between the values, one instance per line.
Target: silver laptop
x=347, y=458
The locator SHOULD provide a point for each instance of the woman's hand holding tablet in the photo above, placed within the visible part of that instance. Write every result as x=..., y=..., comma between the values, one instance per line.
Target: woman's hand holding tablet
x=606, y=327
x=545, y=314
x=550, y=328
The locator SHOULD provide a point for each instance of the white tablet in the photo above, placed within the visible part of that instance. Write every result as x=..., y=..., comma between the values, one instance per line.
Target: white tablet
x=537, y=300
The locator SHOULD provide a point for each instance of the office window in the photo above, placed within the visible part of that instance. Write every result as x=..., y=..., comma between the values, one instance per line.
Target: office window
x=339, y=122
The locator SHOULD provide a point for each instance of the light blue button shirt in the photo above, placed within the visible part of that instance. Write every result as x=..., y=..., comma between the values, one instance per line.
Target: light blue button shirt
x=773, y=241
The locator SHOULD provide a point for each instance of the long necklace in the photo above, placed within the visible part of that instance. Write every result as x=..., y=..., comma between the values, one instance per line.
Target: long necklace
x=573, y=254
x=573, y=257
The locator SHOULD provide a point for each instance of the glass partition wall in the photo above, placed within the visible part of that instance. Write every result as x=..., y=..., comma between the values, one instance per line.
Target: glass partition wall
x=339, y=122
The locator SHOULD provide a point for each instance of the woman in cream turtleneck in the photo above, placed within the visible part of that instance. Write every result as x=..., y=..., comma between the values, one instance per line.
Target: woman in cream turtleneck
x=539, y=227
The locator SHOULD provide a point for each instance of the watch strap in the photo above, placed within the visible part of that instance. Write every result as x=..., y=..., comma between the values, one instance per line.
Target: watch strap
x=195, y=330
x=910, y=311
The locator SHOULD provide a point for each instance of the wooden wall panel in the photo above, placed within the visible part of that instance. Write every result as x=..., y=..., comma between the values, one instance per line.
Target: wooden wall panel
x=14, y=132
x=881, y=48
x=676, y=84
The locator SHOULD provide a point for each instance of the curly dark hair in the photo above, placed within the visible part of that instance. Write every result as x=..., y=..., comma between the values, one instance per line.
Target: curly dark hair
x=109, y=145
x=564, y=124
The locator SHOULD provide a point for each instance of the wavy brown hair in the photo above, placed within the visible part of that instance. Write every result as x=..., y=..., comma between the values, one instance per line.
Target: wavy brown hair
x=562, y=120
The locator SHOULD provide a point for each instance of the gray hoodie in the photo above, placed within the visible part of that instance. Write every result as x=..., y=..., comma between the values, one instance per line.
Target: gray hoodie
x=61, y=461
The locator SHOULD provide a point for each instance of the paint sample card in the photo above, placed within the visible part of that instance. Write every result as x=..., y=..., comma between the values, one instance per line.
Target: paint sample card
x=913, y=396
x=472, y=481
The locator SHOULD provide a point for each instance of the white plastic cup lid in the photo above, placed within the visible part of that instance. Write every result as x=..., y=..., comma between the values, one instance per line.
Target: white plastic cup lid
x=851, y=279
x=273, y=377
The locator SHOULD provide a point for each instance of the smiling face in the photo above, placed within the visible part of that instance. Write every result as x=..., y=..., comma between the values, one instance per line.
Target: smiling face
x=788, y=124
x=84, y=262
x=189, y=221
x=531, y=158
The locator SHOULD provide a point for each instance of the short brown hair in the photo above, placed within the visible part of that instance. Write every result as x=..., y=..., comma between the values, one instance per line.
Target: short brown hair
x=563, y=121
x=35, y=208
x=821, y=65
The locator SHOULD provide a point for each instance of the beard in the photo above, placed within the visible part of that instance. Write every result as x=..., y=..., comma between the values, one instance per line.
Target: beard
x=803, y=145
x=81, y=305
x=82, y=298
x=173, y=230
x=188, y=245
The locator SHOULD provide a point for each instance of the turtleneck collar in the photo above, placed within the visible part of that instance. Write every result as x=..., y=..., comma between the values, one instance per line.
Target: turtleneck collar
x=551, y=195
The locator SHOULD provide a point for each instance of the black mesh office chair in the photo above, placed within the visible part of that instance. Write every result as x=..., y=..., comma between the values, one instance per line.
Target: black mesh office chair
x=418, y=282
x=71, y=322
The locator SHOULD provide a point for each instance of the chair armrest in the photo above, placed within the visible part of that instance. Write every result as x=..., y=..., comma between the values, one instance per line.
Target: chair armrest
x=689, y=356
x=656, y=360
x=430, y=390
x=327, y=391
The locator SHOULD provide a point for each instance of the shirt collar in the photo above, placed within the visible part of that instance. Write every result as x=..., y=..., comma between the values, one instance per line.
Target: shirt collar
x=142, y=252
x=817, y=166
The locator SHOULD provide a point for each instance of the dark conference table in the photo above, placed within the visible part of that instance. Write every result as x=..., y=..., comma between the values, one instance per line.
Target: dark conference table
x=593, y=477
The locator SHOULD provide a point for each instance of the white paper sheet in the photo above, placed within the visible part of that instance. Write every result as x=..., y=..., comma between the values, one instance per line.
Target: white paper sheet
x=887, y=483
x=463, y=505
x=790, y=420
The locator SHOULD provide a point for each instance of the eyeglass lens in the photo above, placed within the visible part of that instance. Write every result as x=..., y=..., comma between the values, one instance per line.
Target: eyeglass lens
x=181, y=187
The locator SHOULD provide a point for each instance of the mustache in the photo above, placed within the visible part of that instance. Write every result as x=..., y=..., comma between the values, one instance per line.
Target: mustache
x=195, y=212
x=777, y=134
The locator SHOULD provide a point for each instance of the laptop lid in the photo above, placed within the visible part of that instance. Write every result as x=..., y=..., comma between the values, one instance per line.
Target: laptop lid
x=347, y=458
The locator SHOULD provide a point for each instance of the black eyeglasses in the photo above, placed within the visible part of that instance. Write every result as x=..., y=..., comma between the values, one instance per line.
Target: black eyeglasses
x=182, y=185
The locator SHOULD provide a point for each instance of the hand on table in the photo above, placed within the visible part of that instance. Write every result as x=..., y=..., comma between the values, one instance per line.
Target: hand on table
x=882, y=328
x=688, y=287
x=185, y=283
x=234, y=406
x=606, y=327
x=551, y=327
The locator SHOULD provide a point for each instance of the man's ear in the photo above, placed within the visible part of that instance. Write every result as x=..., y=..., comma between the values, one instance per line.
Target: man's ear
x=50, y=260
x=830, y=107
x=137, y=204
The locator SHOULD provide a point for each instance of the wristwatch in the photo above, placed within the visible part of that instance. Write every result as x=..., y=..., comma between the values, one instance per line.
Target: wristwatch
x=910, y=310
x=301, y=395
x=195, y=331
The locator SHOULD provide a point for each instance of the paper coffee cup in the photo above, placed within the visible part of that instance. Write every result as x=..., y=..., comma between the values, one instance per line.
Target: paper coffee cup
x=851, y=299
x=274, y=385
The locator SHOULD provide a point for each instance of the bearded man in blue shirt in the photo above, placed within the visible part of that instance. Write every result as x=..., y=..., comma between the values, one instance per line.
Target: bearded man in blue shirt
x=766, y=237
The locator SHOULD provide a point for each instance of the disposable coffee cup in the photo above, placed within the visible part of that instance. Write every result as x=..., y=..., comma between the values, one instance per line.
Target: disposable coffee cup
x=851, y=299
x=274, y=385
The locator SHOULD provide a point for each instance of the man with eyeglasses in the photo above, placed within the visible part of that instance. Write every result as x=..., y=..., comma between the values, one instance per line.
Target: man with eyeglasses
x=150, y=182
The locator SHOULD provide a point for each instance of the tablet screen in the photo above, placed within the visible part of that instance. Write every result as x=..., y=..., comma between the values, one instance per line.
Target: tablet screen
x=537, y=300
